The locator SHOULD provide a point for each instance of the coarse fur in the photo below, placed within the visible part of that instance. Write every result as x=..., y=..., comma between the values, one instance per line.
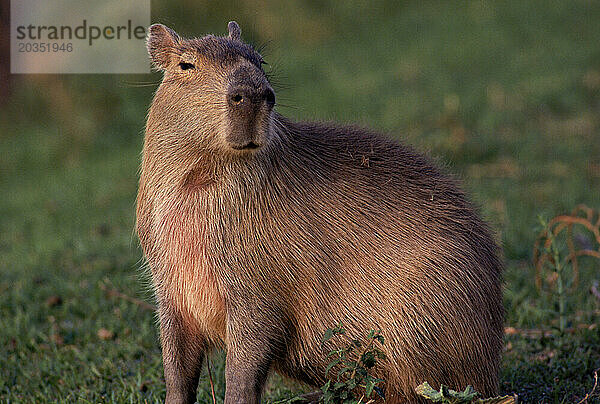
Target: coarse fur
x=261, y=233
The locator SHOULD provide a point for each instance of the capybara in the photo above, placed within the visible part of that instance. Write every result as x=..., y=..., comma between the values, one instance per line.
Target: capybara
x=261, y=233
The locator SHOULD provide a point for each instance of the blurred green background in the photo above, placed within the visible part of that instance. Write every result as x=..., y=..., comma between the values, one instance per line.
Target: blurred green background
x=506, y=94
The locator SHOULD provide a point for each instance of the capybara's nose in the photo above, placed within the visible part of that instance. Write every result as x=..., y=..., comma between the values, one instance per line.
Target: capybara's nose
x=244, y=97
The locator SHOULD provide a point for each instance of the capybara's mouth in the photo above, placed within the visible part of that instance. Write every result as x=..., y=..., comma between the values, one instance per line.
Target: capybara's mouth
x=247, y=146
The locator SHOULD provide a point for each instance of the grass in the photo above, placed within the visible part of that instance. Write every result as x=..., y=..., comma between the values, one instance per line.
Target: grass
x=506, y=94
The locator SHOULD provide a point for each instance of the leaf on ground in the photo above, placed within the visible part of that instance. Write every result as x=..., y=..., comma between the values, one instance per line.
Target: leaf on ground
x=468, y=396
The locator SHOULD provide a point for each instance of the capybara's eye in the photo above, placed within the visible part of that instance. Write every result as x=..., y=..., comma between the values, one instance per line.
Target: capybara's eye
x=186, y=66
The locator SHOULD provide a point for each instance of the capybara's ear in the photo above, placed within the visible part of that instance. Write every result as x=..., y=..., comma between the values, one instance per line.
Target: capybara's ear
x=162, y=44
x=235, y=32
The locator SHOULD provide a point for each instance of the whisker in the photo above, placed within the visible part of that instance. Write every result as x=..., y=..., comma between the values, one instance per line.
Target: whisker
x=139, y=84
x=288, y=106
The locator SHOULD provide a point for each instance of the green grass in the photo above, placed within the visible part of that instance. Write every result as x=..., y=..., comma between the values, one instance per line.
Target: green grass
x=506, y=94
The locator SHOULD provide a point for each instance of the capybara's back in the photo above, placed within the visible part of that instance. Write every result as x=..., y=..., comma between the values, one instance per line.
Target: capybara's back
x=261, y=233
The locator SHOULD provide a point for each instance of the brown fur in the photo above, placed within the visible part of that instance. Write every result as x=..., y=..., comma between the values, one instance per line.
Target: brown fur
x=261, y=233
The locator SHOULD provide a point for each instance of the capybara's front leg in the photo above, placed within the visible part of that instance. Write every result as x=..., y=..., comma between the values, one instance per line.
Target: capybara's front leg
x=250, y=352
x=245, y=376
x=183, y=351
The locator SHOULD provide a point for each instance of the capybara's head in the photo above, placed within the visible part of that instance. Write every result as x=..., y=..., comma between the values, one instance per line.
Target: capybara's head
x=214, y=92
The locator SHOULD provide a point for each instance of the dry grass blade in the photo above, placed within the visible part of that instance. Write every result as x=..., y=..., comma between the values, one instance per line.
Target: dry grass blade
x=581, y=216
x=212, y=386
x=591, y=393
